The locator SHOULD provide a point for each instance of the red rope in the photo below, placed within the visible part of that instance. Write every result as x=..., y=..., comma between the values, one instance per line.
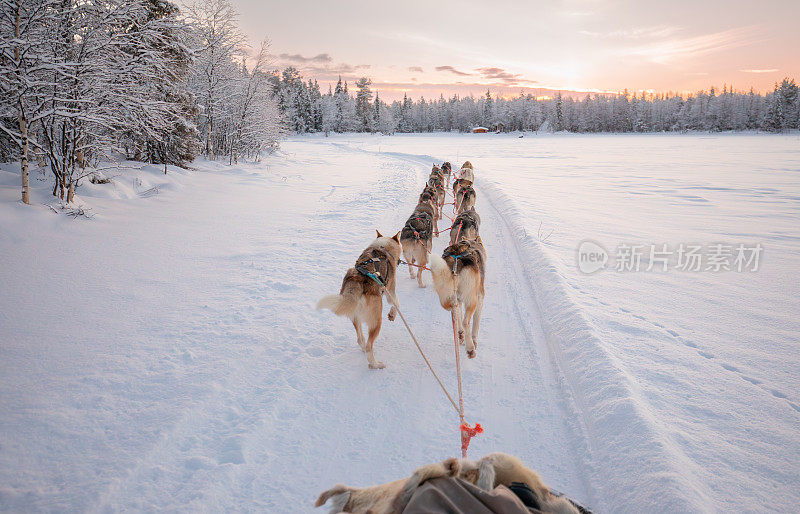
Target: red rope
x=458, y=375
x=467, y=433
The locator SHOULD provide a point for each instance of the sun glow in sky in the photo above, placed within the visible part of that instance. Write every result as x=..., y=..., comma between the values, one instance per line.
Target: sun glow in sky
x=425, y=48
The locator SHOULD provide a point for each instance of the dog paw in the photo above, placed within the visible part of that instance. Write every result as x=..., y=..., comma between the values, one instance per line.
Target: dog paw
x=377, y=365
x=391, y=315
x=422, y=286
x=461, y=336
x=471, y=354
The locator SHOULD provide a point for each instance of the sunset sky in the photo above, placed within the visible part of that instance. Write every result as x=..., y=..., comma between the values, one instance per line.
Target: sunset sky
x=432, y=47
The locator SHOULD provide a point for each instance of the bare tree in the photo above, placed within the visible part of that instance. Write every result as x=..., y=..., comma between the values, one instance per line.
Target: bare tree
x=214, y=75
x=256, y=125
x=22, y=61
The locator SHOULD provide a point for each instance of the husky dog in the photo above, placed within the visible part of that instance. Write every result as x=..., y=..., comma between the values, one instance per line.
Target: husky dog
x=435, y=178
x=487, y=473
x=447, y=168
x=361, y=296
x=465, y=226
x=429, y=195
x=416, y=237
x=436, y=181
x=465, y=199
x=467, y=172
x=436, y=169
x=459, y=276
x=459, y=184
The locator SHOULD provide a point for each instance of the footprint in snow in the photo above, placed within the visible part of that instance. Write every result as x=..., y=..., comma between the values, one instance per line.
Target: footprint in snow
x=231, y=452
x=279, y=286
x=199, y=462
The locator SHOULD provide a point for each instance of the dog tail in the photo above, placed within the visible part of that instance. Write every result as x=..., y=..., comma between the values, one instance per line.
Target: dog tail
x=344, y=304
x=446, y=468
x=442, y=281
x=340, y=494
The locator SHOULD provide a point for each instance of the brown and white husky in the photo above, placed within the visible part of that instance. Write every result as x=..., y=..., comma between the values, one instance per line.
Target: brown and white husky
x=465, y=199
x=361, y=295
x=416, y=237
x=465, y=226
x=459, y=184
x=467, y=172
x=459, y=279
x=436, y=181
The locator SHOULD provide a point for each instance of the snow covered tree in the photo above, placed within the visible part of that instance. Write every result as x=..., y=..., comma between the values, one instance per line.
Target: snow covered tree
x=256, y=125
x=364, y=112
x=161, y=129
x=104, y=65
x=23, y=60
x=219, y=45
x=385, y=120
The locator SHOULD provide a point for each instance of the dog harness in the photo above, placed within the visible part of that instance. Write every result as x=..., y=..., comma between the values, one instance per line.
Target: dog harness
x=421, y=226
x=375, y=266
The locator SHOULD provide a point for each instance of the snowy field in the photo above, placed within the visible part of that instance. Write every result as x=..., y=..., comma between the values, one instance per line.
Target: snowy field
x=166, y=355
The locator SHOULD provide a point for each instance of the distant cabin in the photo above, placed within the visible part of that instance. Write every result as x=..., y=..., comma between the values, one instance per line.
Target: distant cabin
x=480, y=130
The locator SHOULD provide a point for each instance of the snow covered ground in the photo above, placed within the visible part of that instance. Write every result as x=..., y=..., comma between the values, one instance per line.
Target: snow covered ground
x=165, y=354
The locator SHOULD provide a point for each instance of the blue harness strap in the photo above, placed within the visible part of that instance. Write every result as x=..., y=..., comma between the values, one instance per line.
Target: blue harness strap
x=455, y=261
x=374, y=275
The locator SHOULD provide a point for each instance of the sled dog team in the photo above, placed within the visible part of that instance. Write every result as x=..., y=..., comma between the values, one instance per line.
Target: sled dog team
x=458, y=275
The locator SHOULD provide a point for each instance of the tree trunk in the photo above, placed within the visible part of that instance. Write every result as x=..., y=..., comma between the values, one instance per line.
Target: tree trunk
x=23, y=122
x=23, y=129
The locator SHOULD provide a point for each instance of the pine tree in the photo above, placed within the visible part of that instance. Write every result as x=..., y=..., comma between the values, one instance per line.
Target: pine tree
x=774, y=119
x=364, y=111
x=377, y=111
x=559, y=113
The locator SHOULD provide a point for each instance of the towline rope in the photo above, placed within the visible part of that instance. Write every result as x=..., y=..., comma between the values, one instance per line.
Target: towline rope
x=415, y=265
x=467, y=432
x=425, y=357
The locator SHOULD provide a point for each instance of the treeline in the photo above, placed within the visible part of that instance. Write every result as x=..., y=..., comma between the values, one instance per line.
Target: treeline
x=86, y=80
x=306, y=109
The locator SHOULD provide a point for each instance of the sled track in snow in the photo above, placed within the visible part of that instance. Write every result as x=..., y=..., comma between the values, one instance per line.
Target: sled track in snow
x=611, y=416
x=609, y=420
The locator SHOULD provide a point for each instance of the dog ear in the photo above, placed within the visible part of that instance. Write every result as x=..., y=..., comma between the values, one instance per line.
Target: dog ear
x=378, y=232
x=397, y=236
